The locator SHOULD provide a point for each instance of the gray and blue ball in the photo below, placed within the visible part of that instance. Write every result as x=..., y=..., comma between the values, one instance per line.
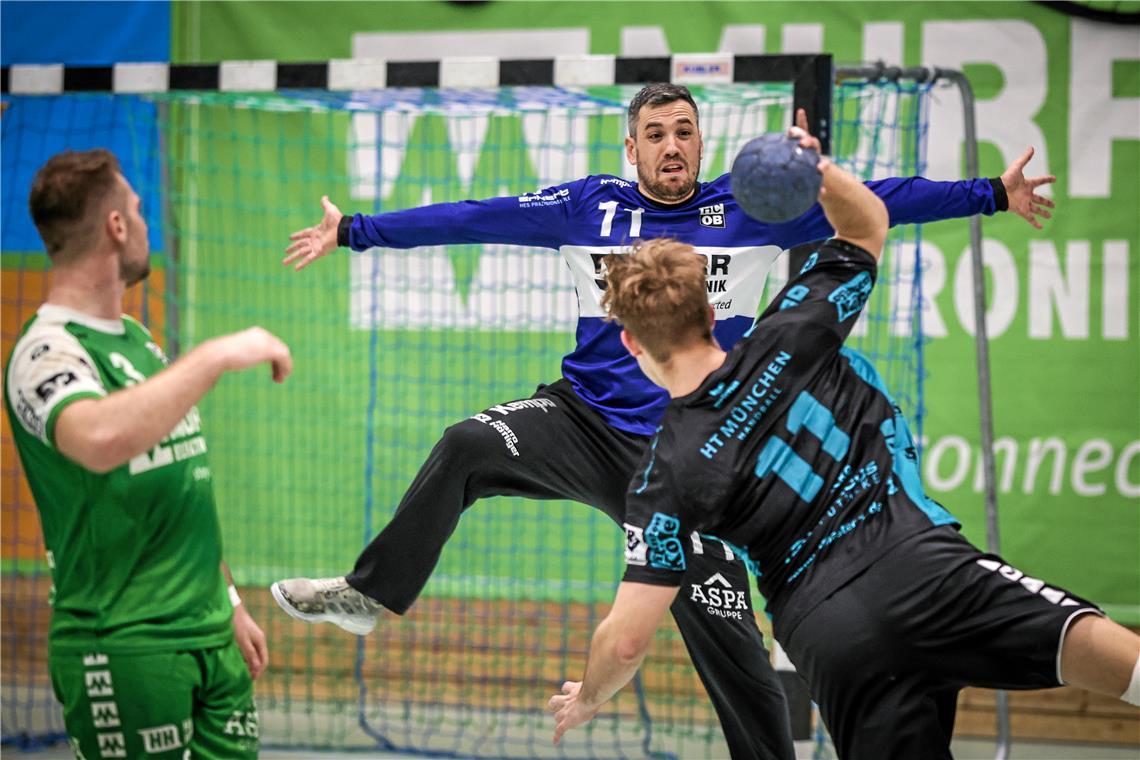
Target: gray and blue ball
x=774, y=179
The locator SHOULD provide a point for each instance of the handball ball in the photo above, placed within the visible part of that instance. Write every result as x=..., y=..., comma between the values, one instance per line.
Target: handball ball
x=774, y=179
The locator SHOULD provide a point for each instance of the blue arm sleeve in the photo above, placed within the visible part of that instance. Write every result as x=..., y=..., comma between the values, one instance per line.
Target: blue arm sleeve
x=909, y=200
x=916, y=200
x=537, y=219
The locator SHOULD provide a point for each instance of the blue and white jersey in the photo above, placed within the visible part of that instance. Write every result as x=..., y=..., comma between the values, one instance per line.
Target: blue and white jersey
x=589, y=218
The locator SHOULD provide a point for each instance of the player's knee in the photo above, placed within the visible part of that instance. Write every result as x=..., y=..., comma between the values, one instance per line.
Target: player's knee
x=466, y=443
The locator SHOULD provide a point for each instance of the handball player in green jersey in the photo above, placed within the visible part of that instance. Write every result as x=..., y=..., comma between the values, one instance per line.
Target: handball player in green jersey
x=149, y=653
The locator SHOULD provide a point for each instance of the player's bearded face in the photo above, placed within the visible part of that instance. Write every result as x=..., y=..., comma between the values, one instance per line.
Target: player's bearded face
x=134, y=255
x=667, y=151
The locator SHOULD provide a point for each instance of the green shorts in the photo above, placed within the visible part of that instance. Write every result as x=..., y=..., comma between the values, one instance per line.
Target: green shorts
x=173, y=705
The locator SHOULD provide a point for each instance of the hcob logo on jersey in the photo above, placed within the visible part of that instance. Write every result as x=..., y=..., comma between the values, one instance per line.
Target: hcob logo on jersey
x=712, y=216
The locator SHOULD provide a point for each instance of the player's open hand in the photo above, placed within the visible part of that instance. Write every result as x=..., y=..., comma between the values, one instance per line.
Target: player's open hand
x=1024, y=200
x=569, y=711
x=248, y=348
x=251, y=641
x=311, y=243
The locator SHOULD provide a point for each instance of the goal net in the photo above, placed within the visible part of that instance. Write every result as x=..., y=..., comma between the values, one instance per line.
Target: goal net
x=390, y=347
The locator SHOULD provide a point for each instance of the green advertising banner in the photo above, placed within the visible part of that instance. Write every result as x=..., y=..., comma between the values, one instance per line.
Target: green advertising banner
x=1063, y=309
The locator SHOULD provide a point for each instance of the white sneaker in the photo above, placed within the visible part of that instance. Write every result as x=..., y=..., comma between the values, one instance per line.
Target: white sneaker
x=330, y=599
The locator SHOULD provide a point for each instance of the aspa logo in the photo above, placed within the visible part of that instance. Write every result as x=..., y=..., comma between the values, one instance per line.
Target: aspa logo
x=720, y=598
x=712, y=216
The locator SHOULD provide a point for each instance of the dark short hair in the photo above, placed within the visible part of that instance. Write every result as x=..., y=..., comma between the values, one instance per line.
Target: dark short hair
x=658, y=94
x=65, y=190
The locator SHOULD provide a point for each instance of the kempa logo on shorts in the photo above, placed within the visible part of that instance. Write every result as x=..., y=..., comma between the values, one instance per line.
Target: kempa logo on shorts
x=719, y=597
x=112, y=745
x=1032, y=585
x=104, y=714
x=712, y=216
x=160, y=738
x=98, y=683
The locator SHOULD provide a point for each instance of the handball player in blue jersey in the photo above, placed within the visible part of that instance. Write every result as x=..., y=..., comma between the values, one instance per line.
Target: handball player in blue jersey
x=789, y=449
x=581, y=436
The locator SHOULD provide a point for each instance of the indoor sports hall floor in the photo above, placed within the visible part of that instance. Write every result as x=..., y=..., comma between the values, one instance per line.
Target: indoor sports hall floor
x=964, y=749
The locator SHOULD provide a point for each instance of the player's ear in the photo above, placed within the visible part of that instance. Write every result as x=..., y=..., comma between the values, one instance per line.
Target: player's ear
x=116, y=226
x=712, y=317
x=631, y=151
x=630, y=343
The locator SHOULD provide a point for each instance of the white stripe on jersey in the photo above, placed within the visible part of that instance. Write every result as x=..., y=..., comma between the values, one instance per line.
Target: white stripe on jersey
x=735, y=276
x=522, y=288
x=515, y=288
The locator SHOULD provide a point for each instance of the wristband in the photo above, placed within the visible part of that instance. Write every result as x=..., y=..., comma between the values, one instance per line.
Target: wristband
x=235, y=600
x=342, y=229
x=1001, y=197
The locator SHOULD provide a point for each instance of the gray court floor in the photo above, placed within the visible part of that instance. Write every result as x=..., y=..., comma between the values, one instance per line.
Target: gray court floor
x=964, y=749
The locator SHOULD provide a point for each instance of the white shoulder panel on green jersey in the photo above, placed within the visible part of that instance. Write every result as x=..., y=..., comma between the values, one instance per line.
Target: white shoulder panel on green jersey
x=48, y=366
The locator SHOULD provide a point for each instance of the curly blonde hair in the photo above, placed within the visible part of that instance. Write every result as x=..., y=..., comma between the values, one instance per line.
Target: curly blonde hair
x=658, y=293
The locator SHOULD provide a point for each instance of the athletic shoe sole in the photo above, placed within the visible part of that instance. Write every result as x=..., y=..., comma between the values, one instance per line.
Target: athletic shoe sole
x=359, y=629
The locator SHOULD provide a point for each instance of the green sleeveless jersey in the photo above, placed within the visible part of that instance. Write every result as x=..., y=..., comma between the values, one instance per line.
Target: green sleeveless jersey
x=135, y=553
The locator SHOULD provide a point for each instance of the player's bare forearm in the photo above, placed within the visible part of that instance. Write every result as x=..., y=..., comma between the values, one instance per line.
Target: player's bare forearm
x=616, y=651
x=247, y=633
x=857, y=214
x=102, y=434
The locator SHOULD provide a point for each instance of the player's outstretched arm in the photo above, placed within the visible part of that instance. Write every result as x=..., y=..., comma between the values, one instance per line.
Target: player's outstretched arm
x=102, y=434
x=537, y=219
x=309, y=244
x=855, y=213
x=616, y=651
x=916, y=200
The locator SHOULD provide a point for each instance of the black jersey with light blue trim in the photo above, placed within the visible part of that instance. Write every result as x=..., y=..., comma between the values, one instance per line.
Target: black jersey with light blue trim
x=792, y=452
x=591, y=217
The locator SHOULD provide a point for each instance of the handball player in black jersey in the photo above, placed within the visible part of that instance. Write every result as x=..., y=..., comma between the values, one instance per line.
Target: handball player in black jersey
x=789, y=449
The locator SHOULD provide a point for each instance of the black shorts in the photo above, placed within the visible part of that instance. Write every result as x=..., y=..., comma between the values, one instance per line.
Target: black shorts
x=886, y=654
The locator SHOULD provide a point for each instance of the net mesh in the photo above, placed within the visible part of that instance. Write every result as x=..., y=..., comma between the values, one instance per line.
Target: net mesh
x=389, y=348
